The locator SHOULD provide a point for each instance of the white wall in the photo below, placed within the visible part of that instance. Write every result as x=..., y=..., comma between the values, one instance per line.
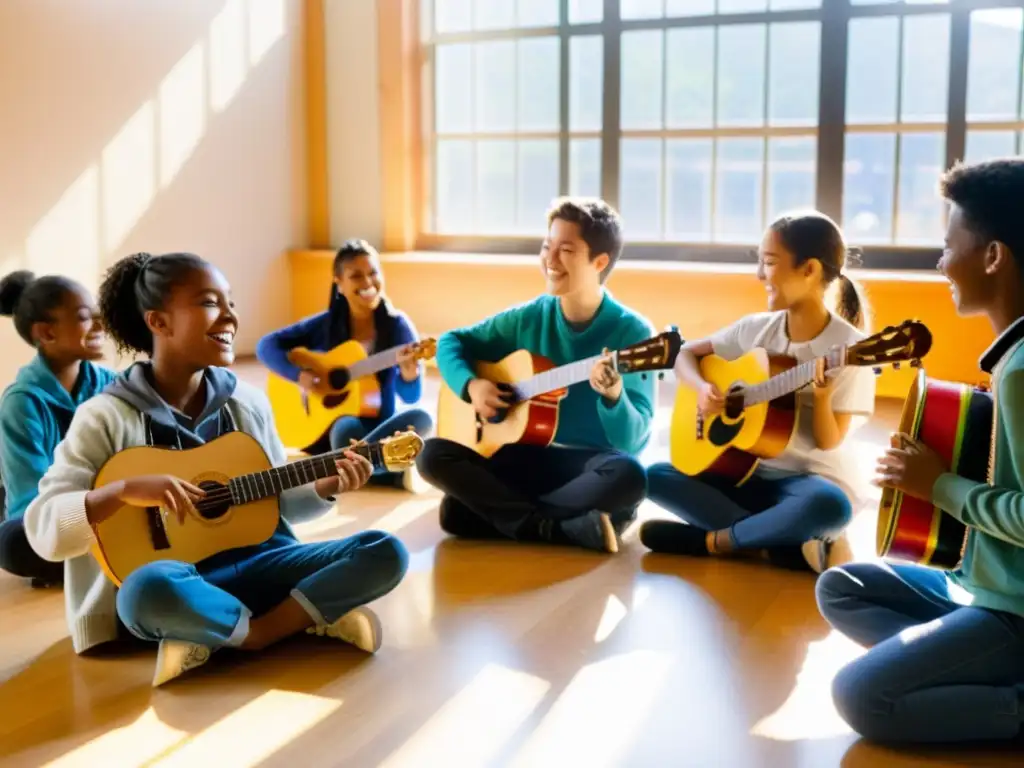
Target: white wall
x=353, y=120
x=157, y=125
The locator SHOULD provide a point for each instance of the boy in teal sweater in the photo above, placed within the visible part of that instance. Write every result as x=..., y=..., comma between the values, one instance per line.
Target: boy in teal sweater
x=940, y=670
x=584, y=489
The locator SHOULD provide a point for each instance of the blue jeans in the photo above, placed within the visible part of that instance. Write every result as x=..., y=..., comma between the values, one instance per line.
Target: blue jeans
x=958, y=677
x=178, y=601
x=763, y=512
x=354, y=428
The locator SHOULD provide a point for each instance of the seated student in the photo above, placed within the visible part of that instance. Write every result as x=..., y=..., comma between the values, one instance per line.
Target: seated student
x=360, y=311
x=937, y=670
x=177, y=310
x=585, y=489
x=793, y=505
x=59, y=318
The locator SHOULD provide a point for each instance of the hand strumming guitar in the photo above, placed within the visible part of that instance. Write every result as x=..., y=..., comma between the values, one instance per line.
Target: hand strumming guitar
x=709, y=400
x=486, y=397
x=308, y=381
x=408, y=365
x=164, y=491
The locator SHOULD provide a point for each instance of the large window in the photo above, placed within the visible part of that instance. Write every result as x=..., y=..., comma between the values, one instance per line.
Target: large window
x=701, y=120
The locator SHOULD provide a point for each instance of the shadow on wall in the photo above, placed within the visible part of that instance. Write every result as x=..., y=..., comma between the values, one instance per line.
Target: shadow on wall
x=83, y=68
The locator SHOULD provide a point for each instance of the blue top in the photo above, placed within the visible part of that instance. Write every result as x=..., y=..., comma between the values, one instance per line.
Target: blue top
x=540, y=327
x=314, y=333
x=35, y=413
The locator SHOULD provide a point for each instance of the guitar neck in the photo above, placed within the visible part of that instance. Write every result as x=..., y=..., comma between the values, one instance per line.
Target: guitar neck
x=375, y=363
x=277, y=480
x=782, y=384
x=557, y=378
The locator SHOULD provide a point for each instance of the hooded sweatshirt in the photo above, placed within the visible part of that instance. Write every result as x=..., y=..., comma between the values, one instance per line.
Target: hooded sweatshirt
x=35, y=413
x=130, y=414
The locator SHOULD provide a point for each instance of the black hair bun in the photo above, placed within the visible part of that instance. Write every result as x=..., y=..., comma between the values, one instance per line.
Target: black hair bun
x=11, y=289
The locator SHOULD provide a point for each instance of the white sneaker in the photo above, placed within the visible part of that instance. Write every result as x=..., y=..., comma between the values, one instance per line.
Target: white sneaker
x=822, y=555
x=360, y=627
x=176, y=657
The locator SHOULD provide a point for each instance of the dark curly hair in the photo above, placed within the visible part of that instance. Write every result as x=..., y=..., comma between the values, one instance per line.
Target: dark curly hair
x=30, y=300
x=990, y=194
x=600, y=226
x=138, y=284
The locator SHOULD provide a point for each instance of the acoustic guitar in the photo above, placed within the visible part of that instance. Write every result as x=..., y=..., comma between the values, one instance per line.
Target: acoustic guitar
x=241, y=507
x=955, y=420
x=760, y=414
x=534, y=387
x=348, y=387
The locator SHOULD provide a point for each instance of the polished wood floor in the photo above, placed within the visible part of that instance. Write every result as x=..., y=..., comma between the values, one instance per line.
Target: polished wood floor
x=494, y=654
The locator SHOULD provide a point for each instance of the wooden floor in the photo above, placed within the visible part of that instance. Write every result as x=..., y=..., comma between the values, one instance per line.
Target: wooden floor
x=493, y=655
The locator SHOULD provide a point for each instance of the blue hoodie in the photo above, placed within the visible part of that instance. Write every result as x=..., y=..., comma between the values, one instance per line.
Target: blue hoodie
x=35, y=413
x=170, y=428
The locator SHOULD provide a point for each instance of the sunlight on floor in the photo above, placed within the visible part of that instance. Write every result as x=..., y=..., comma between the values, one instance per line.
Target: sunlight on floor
x=474, y=725
x=808, y=712
x=142, y=740
x=403, y=514
x=252, y=733
x=614, y=613
x=582, y=728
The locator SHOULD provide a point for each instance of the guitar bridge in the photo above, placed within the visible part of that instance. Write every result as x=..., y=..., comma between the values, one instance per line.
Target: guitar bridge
x=479, y=428
x=157, y=530
x=700, y=426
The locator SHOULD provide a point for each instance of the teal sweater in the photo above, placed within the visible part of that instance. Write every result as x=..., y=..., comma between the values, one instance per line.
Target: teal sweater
x=540, y=327
x=35, y=413
x=993, y=565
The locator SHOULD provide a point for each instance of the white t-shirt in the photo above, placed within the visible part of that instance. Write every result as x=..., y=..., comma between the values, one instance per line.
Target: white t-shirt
x=854, y=393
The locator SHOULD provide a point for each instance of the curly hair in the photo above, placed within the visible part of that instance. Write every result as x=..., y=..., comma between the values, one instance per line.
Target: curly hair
x=989, y=195
x=138, y=284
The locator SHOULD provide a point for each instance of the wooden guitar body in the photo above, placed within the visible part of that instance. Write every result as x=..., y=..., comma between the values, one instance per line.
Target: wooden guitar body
x=133, y=536
x=729, y=445
x=531, y=422
x=360, y=397
x=956, y=421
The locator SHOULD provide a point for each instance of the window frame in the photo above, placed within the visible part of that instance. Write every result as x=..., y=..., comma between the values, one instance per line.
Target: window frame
x=834, y=17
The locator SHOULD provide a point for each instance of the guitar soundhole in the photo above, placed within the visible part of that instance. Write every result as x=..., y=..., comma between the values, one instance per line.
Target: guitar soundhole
x=217, y=501
x=334, y=400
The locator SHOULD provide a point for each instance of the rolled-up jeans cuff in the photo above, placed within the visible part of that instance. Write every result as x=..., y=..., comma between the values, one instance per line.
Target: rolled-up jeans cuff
x=308, y=607
x=241, y=630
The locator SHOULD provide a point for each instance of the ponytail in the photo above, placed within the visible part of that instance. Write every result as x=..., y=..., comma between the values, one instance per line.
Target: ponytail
x=851, y=304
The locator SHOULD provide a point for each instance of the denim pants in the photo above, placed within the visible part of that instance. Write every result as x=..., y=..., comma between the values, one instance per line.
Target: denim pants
x=354, y=428
x=937, y=671
x=178, y=601
x=764, y=512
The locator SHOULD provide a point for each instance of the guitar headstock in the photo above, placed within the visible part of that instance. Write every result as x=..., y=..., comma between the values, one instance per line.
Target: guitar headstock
x=399, y=451
x=424, y=349
x=655, y=354
x=907, y=342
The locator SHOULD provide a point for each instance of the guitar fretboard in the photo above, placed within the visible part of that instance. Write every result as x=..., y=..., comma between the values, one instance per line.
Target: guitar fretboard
x=556, y=378
x=779, y=385
x=277, y=480
x=374, y=363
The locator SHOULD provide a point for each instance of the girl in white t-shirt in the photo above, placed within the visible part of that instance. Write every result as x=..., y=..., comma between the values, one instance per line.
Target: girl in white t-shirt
x=794, y=506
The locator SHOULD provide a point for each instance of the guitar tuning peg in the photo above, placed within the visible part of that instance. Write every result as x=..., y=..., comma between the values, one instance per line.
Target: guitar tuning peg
x=661, y=376
x=915, y=363
x=896, y=366
x=877, y=370
x=643, y=377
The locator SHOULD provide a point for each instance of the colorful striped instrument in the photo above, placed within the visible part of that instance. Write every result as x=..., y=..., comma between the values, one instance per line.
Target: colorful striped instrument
x=956, y=421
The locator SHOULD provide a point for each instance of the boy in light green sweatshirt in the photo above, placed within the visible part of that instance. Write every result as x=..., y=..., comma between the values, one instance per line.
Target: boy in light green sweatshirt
x=942, y=670
x=585, y=488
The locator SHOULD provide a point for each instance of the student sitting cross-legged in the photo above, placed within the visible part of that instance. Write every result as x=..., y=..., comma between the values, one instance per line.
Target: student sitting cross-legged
x=585, y=488
x=794, y=506
x=944, y=666
x=177, y=310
